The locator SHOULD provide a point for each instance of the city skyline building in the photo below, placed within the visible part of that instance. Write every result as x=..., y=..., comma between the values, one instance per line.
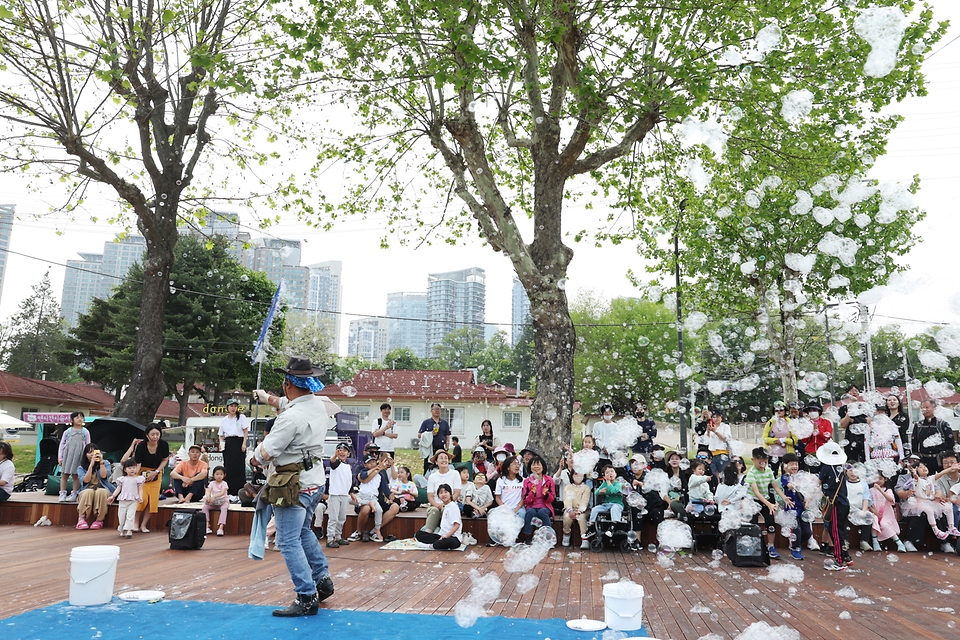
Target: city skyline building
x=455, y=299
x=7, y=212
x=96, y=274
x=408, y=322
x=520, y=311
x=325, y=296
x=279, y=259
x=369, y=338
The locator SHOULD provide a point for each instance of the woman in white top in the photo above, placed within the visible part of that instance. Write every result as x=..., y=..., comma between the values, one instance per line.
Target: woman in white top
x=233, y=444
x=7, y=470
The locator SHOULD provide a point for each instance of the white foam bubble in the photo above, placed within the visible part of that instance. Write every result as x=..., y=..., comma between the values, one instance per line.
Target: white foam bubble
x=796, y=105
x=882, y=28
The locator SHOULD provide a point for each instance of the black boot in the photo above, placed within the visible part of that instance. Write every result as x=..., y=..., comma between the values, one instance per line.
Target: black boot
x=304, y=605
x=324, y=589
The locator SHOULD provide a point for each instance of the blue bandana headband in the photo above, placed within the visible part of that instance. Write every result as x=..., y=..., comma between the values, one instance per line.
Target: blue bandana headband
x=309, y=382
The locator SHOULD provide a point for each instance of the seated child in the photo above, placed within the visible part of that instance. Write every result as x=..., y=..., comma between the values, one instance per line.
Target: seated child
x=403, y=490
x=448, y=535
x=609, y=498
x=699, y=487
x=576, y=500
x=368, y=493
x=475, y=497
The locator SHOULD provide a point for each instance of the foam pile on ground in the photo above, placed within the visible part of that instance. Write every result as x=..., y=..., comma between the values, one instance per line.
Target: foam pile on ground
x=612, y=634
x=523, y=558
x=674, y=534
x=527, y=582
x=584, y=461
x=784, y=574
x=765, y=631
x=699, y=608
x=882, y=28
x=503, y=526
x=846, y=592
x=486, y=588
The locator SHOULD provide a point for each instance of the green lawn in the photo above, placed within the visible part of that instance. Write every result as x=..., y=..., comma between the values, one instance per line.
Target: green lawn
x=24, y=457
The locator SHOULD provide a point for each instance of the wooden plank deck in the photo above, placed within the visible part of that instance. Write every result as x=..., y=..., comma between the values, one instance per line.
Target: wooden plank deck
x=901, y=598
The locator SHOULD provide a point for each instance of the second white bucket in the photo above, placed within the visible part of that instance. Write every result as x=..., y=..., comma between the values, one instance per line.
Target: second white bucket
x=623, y=606
x=93, y=570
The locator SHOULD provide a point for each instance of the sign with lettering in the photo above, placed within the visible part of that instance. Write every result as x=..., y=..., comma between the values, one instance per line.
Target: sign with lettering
x=220, y=410
x=46, y=418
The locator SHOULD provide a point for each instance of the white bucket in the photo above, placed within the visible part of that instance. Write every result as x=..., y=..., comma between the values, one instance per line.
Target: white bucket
x=623, y=606
x=92, y=572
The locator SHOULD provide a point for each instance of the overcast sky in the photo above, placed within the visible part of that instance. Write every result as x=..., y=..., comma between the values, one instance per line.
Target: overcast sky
x=927, y=143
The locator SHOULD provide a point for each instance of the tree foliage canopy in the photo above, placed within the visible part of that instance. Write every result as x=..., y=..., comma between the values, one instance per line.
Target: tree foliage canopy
x=35, y=336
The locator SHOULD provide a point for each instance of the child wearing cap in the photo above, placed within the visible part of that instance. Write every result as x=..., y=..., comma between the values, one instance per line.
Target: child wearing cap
x=369, y=492
x=339, y=482
x=760, y=480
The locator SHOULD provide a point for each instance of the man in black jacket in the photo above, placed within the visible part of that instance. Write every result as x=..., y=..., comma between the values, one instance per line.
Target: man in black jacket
x=931, y=437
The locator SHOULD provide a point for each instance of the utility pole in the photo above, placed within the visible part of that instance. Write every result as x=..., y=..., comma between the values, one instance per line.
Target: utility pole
x=869, y=380
x=681, y=409
x=826, y=324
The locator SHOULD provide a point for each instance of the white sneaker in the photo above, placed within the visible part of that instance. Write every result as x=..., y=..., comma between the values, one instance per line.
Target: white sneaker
x=813, y=545
x=946, y=547
x=566, y=540
x=73, y=496
x=865, y=546
x=909, y=546
x=585, y=544
x=63, y=497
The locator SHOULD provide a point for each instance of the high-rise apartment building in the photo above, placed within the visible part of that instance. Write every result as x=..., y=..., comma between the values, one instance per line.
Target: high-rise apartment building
x=96, y=274
x=369, y=338
x=455, y=299
x=325, y=296
x=6, y=228
x=280, y=260
x=408, y=322
x=520, y=314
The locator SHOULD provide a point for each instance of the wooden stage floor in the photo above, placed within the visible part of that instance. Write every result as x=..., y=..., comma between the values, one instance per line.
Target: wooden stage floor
x=914, y=597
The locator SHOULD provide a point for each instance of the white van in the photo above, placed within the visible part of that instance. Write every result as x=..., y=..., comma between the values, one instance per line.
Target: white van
x=204, y=432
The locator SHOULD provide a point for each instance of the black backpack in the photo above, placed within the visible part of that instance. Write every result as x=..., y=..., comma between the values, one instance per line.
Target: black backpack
x=746, y=547
x=187, y=529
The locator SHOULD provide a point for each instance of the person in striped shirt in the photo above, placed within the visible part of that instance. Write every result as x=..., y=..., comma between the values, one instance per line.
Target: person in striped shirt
x=759, y=480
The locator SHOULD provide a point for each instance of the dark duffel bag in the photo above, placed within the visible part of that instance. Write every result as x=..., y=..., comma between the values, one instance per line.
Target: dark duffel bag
x=188, y=529
x=746, y=547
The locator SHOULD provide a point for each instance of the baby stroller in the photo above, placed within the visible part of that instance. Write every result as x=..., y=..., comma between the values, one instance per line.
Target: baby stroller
x=614, y=533
x=37, y=479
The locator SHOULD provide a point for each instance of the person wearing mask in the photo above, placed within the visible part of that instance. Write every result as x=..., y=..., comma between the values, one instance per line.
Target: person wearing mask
x=821, y=434
x=931, y=436
x=603, y=433
x=648, y=434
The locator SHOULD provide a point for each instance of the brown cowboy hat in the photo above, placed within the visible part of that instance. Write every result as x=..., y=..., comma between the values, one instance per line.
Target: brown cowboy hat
x=433, y=458
x=300, y=367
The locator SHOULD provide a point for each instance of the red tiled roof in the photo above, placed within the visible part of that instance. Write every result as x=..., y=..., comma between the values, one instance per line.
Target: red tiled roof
x=919, y=395
x=421, y=385
x=48, y=392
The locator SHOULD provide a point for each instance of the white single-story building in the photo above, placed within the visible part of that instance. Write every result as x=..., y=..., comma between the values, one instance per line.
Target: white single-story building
x=465, y=404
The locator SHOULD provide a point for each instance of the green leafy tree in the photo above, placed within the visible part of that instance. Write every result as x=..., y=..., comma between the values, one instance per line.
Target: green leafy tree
x=158, y=104
x=37, y=336
x=515, y=107
x=303, y=336
x=523, y=360
x=213, y=317
x=97, y=346
x=626, y=353
x=461, y=348
x=405, y=359
x=495, y=361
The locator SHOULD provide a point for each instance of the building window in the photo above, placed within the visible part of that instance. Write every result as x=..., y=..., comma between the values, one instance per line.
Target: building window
x=362, y=411
x=401, y=414
x=512, y=420
x=455, y=418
